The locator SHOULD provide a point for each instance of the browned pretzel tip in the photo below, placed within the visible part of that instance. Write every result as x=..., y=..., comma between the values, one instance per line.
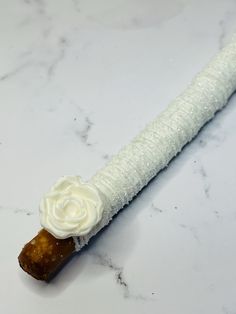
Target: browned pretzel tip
x=43, y=256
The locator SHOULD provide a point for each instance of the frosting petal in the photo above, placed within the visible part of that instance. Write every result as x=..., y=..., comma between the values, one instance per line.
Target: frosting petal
x=71, y=208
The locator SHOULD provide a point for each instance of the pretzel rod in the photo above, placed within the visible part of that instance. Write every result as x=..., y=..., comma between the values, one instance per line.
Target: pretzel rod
x=43, y=256
x=74, y=211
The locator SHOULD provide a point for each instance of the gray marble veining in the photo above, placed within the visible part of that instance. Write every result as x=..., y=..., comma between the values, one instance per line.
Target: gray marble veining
x=106, y=261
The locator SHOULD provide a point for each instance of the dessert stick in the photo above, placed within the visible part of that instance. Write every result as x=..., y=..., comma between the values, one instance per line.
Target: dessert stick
x=73, y=212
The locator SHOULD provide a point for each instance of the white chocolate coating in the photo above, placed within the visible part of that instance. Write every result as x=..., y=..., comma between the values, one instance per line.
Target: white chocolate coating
x=137, y=163
x=76, y=209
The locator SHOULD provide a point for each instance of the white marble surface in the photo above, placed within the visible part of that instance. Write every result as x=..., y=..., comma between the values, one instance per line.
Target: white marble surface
x=78, y=79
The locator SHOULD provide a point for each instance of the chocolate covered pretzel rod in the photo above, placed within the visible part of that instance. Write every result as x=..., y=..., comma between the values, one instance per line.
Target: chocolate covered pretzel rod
x=73, y=211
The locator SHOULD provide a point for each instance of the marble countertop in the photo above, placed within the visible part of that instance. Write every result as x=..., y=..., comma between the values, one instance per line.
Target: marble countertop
x=78, y=80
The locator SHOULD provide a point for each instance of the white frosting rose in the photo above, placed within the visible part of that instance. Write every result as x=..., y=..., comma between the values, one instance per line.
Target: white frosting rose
x=71, y=208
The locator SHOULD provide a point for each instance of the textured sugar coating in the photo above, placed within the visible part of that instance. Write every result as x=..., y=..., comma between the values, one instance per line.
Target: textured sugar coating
x=137, y=163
